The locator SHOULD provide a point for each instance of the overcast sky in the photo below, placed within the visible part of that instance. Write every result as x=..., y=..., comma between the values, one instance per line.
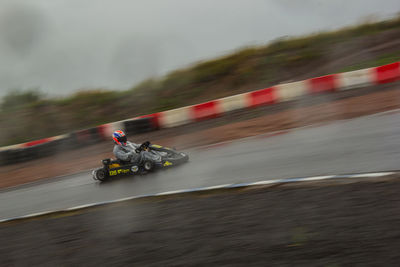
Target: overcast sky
x=62, y=46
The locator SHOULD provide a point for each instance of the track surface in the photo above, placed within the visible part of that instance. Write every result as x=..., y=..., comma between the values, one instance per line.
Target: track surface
x=366, y=144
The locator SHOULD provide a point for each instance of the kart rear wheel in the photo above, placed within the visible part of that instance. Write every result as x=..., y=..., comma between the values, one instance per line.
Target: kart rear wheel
x=100, y=174
x=148, y=166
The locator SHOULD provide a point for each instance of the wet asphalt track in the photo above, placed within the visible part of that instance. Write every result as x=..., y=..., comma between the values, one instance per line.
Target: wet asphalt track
x=366, y=144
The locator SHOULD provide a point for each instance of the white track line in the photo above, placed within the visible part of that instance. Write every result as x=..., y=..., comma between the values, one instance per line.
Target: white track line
x=224, y=186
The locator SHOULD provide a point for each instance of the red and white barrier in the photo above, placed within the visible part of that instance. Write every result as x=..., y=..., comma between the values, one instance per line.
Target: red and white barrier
x=234, y=102
x=291, y=91
x=262, y=97
x=387, y=73
x=281, y=93
x=206, y=110
x=354, y=79
x=175, y=117
x=321, y=84
x=268, y=96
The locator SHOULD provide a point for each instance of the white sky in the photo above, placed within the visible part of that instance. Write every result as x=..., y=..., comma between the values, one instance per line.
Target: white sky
x=61, y=46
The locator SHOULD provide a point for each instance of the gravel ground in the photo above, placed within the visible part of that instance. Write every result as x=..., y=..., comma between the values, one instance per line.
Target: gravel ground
x=335, y=223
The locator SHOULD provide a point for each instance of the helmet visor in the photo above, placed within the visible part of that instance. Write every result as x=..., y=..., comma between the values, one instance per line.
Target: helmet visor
x=122, y=139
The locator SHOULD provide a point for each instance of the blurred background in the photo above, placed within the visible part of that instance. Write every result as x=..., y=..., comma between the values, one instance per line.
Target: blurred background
x=69, y=65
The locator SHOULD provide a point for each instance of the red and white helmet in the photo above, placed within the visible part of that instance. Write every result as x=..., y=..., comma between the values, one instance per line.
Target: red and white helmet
x=119, y=138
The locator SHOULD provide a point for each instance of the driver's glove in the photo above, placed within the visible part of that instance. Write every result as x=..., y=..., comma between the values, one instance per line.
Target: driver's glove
x=146, y=144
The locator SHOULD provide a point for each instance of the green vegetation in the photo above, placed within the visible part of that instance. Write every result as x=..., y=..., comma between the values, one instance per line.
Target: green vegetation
x=29, y=115
x=17, y=99
x=381, y=60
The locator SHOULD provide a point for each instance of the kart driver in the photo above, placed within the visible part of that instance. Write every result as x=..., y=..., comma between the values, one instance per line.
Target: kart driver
x=123, y=149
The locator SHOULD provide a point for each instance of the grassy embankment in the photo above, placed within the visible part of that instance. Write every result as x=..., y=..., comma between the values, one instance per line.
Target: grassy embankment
x=28, y=115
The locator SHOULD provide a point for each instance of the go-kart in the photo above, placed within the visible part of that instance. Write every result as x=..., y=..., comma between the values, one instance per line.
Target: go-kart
x=152, y=157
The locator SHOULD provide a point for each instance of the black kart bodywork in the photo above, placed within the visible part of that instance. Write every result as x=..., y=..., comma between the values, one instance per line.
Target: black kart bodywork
x=153, y=157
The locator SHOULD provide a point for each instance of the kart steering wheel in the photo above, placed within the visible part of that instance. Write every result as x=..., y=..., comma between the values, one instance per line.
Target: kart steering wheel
x=142, y=147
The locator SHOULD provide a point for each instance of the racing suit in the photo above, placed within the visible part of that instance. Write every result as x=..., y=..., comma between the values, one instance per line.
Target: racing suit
x=126, y=153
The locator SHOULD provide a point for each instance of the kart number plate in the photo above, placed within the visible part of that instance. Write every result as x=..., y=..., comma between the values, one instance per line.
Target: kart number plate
x=120, y=171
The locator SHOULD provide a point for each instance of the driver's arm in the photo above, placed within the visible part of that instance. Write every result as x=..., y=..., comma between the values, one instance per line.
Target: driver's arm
x=121, y=154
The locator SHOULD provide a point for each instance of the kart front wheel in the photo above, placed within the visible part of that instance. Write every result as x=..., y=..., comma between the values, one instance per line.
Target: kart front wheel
x=100, y=174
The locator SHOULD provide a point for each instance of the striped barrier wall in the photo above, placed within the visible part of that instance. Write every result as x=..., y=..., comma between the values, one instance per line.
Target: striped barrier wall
x=281, y=93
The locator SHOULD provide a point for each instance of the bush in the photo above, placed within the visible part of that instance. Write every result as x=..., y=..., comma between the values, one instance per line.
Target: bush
x=17, y=99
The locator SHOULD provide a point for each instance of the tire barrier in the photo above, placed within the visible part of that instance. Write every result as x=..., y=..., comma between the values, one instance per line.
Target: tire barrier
x=139, y=126
x=154, y=119
x=35, y=150
x=9, y=156
x=86, y=137
x=211, y=109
